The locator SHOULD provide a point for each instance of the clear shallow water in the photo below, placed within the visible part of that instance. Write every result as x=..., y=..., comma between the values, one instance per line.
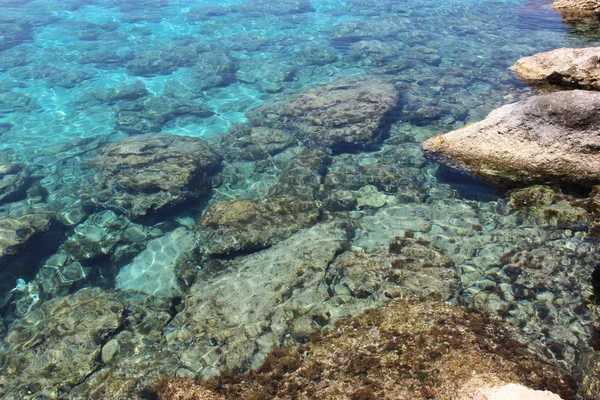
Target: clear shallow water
x=208, y=63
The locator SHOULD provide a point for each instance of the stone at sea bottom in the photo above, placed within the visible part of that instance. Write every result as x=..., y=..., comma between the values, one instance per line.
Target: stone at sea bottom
x=14, y=232
x=565, y=67
x=409, y=349
x=552, y=138
x=348, y=111
x=234, y=225
x=148, y=172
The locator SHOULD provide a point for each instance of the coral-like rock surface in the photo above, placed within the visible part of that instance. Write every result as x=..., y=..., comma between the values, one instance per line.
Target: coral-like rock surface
x=566, y=67
x=143, y=173
x=551, y=138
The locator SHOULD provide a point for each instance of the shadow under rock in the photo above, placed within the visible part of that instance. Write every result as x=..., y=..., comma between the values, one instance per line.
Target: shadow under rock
x=468, y=186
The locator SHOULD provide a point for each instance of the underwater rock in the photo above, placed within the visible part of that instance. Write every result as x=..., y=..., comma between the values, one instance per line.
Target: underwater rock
x=57, y=346
x=66, y=78
x=16, y=102
x=316, y=55
x=213, y=69
x=545, y=139
x=148, y=172
x=100, y=233
x=409, y=268
x=409, y=349
x=161, y=62
x=155, y=270
x=594, y=205
x=350, y=111
x=267, y=290
x=150, y=114
x=13, y=178
x=550, y=205
x=14, y=232
x=590, y=365
x=269, y=76
x=576, y=6
x=564, y=67
x=301, y=176
x=228, y=226
x=259, y=8
x=130, y=91
x=246, y=143
x=369, y=29
x=372, y=52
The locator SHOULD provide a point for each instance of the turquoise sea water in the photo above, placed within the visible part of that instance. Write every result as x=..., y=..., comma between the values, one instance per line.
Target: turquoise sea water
x=195, y=69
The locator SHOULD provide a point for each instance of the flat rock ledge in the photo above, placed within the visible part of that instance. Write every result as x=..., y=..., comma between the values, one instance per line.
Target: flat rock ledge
x=574, y=6
x=578, y=68
x=549, y=139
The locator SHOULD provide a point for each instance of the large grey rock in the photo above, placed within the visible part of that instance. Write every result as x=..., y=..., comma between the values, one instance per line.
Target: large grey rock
x=566, y=67
x=552, y=138
x=143, y=173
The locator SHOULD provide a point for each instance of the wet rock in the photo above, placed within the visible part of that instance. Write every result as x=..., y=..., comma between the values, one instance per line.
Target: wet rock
x=150, y=114
x=372, y=52
x=545, y=139
x=16, y=102
x=67, y=78
x=246, y=143
x=316, y=55
x=144, y=173
x=15, y=232
x=161, y=62
x=277, y=283
x=550, y=205
x=301, y=176
x=350, y=111
x=228, y=226
x=269, y=76
x=407, y=349
x=13, y=178
x=131, y=91
x=213, y=69
x=100, y=233
x=57, y=346
x=594, y=205
x=564, y=67
x=410, y=268
x=157, y=271
x=576, y=6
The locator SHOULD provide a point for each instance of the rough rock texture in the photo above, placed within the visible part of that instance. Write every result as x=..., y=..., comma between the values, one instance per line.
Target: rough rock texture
x=57, y=346
x=233, y=225
x=243, y=142
x=348, y=111
x=143, y=173
x=550, y=205
x=407, y=350
x=553, y=138
x=566, y=67
x=409, y=268
x=14, y=232
x=488, y=388
x=594, y=205
x=585, y=6
x=12, y=179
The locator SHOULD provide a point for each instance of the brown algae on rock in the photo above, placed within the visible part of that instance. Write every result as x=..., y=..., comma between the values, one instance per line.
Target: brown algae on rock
x=410, y=349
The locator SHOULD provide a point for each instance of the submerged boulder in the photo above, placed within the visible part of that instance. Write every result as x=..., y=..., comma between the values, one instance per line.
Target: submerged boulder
x=553, y=138
x=148, y=172
x=565, y=67
x=233, y=225
x=13, y=178
x=411, y=349
x=349, y=111
x=15, y=232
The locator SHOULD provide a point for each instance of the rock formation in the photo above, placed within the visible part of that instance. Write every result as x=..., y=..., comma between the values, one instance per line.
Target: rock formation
x=564, y=67
x=553, y=138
